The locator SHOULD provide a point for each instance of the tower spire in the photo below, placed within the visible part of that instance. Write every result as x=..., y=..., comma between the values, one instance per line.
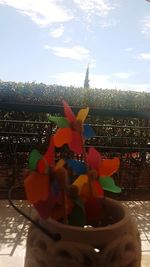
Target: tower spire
x=86, y=81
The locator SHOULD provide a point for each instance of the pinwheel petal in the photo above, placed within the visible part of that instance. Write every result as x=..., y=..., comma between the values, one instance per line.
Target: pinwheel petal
x=58, y=212
x=108, y=184
x=68, y=112
x=78, y=167
x=81, y=181
x=34, y=157
x=50, y=153
x=37, y=187
x=82, y=114
x=93, y=158
x=42, y=166
x=62, y=136
x=60, y=163
x=97, y=189
x=44, y=207
x=60, y=121
x=77, y=217
x=109, y=167
x=88, y=132
x=76, y=144
x=94, y=211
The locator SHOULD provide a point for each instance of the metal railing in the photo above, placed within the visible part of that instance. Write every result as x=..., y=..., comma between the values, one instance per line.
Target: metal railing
x=126, y=137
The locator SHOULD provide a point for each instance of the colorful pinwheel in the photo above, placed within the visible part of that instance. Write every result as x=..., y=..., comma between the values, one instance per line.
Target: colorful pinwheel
x=72, y=131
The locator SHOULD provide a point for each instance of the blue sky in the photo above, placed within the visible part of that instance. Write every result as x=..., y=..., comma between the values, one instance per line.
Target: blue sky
x=52, y=41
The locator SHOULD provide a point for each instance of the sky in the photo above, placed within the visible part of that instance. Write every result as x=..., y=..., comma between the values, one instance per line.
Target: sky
x=53, y=41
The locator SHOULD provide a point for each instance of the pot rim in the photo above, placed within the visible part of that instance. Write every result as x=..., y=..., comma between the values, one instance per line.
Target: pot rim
x=115, y=225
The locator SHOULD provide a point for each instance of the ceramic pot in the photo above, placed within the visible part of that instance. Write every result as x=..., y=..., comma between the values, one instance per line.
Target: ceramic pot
x=113, y=245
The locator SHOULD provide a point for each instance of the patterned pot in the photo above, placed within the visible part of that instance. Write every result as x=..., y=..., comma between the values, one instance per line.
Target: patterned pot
x=114, y=245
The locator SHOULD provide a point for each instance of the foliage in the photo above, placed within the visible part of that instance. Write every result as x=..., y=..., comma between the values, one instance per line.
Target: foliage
x=33, y=93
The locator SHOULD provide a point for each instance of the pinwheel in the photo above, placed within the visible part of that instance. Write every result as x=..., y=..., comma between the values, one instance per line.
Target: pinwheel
x=43, y=185
x=72, y=131
x=99, y=173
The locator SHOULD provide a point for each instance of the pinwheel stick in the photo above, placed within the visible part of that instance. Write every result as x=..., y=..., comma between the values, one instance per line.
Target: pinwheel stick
x=61, y=176
x=86, y=163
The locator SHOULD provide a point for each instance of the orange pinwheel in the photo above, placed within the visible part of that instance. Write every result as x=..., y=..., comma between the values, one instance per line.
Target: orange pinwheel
x=72, y=131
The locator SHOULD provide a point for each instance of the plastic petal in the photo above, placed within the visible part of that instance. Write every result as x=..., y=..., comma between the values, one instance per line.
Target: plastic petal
x=109, y=167
x=37, y=187
x=50, y=153
x=42, y=166
x=108, y=184
x=76, y=144
x=77, y=217
x=93, y=158
x=97, y=189
x=34, y=157
x=60, y=163
x=68, y=112
x=62, y=136
x=88, y=132
x=78, y=167
x=80, y=181
x=60, y=121
x=44, y=207
x=58, y=212
x=82, y=114
x=94, y=211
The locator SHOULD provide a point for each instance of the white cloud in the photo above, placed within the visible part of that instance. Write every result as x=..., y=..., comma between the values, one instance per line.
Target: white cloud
x=143, y=56
x=56, y=33
x=96, y=7
x=77, y=79
x=122, y=75
x=41, y=12
x=146, y=26
x=129, y=49
x=96, y=81
x=76, y=52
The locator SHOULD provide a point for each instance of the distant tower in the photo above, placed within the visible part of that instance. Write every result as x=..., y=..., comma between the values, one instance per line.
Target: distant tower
x=86, y=81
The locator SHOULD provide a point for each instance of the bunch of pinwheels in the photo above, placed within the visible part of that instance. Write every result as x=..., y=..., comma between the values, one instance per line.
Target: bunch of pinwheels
x=48, y=185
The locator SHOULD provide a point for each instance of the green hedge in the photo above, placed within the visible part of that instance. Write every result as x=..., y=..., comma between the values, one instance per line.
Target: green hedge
x=33, y=93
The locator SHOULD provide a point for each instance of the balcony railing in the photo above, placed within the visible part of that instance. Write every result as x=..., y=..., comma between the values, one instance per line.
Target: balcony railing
x=126, y=135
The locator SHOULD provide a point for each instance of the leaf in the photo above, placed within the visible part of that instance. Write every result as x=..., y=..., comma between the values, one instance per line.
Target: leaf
x=68, y=112
x=93, y=158
x=76, y=144
x=62, y=136
x=82, y=114
x=108, y=184
x=81, y=181
x=34, y=157
x=77, y=216
x=37, y=187
x=78, y=167
x=60, y=121
x=109, y=167
x=88, y=132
